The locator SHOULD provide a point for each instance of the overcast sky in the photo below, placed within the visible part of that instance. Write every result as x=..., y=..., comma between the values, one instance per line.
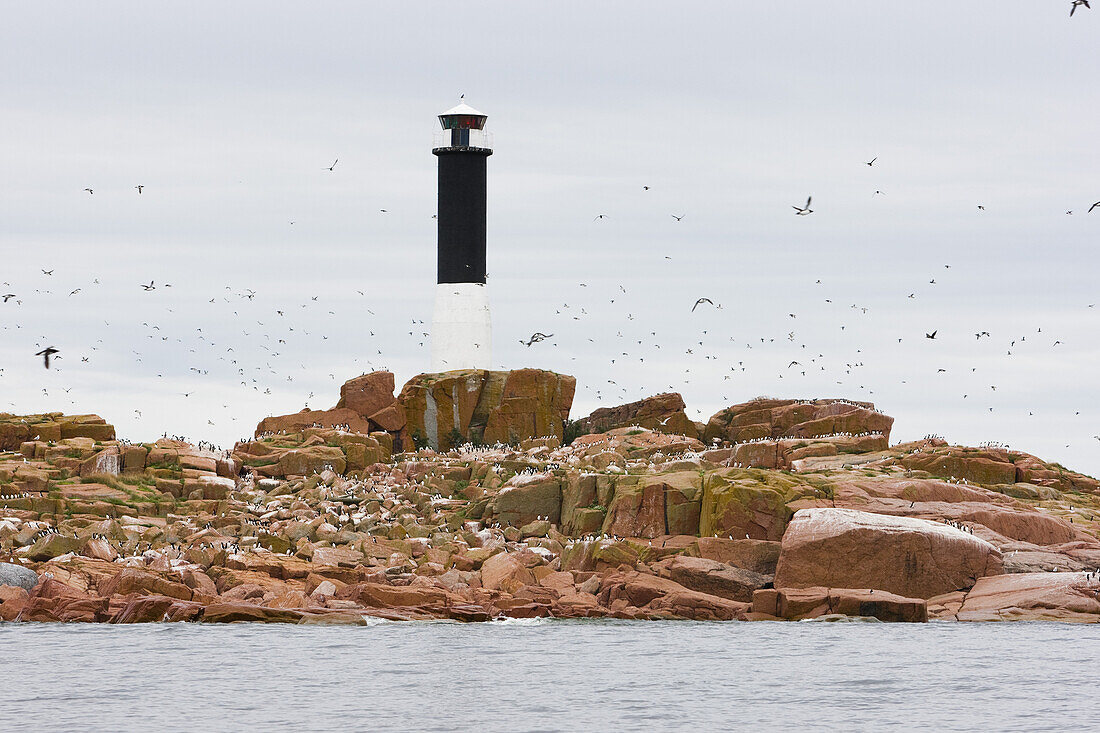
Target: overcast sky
x=229, y=115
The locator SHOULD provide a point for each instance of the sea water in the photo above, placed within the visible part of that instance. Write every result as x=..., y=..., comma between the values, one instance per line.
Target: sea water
x=543, y=675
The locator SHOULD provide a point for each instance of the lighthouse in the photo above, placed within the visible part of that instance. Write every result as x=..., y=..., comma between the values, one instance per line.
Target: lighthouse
x=461, y=329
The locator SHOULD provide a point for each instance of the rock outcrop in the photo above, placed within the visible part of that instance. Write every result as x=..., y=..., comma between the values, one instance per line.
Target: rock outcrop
x=51, y=427
x=486, y=406
x=367, y=404
x=771, y=418
x=663, y=413
x=330, y=525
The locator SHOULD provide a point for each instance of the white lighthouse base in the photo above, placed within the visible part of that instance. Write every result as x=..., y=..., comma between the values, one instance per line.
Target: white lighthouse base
x=461, y=330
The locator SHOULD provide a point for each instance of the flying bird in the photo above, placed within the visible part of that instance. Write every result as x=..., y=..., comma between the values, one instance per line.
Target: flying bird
x=535, y=338
x=149, y=287
x=1096, y=205
x=334, y=164
x=46, y=353
x=7, y=296
x=872, y=161
x=1073, y=6
x=90, y=191
x=139, y=188
x=677, y=218
x=600, y=216
x=804, y=210
x=931, y=335
x=700, y=302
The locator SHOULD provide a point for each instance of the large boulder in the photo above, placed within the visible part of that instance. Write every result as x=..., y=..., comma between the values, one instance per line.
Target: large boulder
x=770, y=418
x=802, y=603
x=759, y=556
x=314, y=459
x=526, y=498
x=711, y=577
x=749, y=504
x=663, y=413
x=54, y=545
x=368, y=393
x=17, y=575
x=638, y=510
x=915, y=558
x=489, y=406
x=504, y=569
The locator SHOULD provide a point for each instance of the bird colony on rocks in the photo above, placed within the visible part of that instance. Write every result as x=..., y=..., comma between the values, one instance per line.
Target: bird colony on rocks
x=471, y=496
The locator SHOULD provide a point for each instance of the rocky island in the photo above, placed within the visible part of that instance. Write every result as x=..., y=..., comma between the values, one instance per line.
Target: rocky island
x=472, y=496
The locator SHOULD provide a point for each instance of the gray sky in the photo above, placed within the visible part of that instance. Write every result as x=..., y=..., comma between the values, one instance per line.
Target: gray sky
x=230, y=113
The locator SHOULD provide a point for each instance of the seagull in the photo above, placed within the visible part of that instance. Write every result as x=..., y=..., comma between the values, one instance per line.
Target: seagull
x=535, y=338
x=47, y=272
x=872, y=161
x=149, y=287
x=677, y=218
x=7, y=296
x=803, y=211
x=334, y=164
x=931, y=335
x=1073, y=6
x=981, y=208
x=139, y=188
x=700, y=302
x=600, y=216
x=47, y=353
x=74, y=292
x=90, y=191
x=1094, y=206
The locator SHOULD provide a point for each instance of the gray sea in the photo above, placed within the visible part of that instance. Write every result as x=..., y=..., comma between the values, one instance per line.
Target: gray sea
x=540, y=675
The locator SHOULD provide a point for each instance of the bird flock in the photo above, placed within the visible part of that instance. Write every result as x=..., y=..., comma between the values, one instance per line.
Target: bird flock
x=217, y=340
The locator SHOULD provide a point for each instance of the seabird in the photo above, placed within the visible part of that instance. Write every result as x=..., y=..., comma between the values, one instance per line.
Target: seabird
x=46, y=353
x=700, y=302
x=804, y=210
x=535, y=338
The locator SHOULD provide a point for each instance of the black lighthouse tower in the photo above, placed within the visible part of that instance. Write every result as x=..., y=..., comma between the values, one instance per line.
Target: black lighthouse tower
x=461, y=327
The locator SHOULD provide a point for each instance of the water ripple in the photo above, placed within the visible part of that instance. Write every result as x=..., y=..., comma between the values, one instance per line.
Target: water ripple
x=548, y=676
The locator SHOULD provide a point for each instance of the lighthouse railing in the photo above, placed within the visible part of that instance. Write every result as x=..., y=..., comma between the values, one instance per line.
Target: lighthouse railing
x=462, y=139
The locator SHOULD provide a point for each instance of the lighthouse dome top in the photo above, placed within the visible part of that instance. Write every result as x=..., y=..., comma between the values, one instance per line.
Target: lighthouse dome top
x=462, y=116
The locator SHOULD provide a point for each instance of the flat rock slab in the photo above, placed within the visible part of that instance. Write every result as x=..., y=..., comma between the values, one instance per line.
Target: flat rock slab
x=1034, y=597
